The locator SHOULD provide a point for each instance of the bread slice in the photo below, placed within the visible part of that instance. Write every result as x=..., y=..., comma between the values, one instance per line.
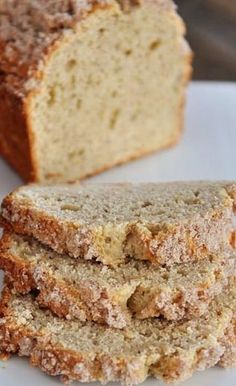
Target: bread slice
x=89, y=84
x=164, y=223
x=91, y=291
x=89, y=352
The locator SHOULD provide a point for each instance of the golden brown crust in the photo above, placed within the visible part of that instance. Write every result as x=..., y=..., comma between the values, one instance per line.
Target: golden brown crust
x=13, y=128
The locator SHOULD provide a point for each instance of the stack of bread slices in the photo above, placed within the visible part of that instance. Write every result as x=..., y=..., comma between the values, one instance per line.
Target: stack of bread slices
x=117, y=282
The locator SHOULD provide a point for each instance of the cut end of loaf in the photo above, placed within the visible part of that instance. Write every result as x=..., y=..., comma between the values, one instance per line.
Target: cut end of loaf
x=113, y=90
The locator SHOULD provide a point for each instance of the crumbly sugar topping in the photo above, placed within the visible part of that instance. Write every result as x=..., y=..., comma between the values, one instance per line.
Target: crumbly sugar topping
x=29, y=27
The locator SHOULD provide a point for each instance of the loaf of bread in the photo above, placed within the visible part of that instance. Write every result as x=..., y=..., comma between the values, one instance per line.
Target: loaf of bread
x=85, y=85
x=90, y=291
x=164, y=223
x=89, y=352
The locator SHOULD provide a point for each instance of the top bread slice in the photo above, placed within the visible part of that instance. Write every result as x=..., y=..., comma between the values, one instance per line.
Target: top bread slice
x=90, y=352
x=88, y=84
x=164, y=223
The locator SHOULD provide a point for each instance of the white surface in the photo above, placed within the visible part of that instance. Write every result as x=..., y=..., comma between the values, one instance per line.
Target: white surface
x=207, y=151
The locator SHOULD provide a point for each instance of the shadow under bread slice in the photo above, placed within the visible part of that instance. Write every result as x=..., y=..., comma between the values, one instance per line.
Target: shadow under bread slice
x=169, y=351
x=90, y=291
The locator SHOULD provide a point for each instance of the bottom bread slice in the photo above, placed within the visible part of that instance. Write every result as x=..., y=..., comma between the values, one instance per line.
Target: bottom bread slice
x=170, y=351
x=90, y=291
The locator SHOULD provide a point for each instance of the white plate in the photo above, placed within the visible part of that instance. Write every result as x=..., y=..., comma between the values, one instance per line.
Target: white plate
x=207, y=151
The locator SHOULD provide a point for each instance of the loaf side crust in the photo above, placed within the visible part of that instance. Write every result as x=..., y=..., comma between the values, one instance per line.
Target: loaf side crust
x=16, y=140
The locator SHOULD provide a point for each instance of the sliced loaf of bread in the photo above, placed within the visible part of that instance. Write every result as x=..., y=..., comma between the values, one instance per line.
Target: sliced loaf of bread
x=88, y=84
x=91, y=291
x=89, y=352
x=164, y=223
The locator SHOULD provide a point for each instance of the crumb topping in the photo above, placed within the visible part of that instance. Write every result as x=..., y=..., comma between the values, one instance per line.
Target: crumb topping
x=28, y=28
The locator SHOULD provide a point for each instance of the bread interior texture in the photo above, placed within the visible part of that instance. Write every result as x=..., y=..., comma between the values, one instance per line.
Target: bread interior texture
x=111, y=91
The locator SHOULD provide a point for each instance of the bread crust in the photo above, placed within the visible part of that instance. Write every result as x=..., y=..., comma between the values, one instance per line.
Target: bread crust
x=14, y=127
x=86, y=367
x=21, y=82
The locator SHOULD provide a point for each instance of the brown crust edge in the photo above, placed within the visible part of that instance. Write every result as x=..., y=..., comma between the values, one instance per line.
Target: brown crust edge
x=15, y=148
